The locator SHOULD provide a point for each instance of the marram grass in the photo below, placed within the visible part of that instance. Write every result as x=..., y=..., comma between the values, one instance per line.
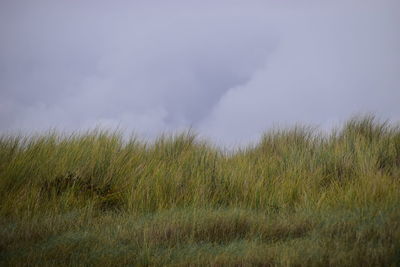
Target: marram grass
x=298, y=198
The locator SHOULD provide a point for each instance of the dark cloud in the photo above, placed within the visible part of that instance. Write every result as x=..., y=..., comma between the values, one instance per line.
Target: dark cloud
x=229, y=69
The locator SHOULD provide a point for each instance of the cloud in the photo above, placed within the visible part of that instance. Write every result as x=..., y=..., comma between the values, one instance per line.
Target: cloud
x=331, y=63
x=229, y=69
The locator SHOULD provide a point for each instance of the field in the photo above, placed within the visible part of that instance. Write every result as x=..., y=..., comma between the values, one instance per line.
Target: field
x=297, y=198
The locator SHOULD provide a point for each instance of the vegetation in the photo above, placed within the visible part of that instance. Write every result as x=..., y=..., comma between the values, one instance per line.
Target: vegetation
x=296, y=198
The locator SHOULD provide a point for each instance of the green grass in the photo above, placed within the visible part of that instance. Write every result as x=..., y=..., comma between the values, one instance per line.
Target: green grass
x=297, y=198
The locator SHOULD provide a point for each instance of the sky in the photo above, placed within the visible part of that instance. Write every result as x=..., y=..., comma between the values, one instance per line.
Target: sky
x=229, y=70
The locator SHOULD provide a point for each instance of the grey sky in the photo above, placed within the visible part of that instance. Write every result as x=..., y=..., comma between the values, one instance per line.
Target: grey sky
x=228, y=69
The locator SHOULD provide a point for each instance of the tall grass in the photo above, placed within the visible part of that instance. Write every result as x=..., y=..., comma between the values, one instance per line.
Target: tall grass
x=296, y=198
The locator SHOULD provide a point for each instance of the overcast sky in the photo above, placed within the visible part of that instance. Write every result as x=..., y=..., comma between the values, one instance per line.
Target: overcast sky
x=228, y=69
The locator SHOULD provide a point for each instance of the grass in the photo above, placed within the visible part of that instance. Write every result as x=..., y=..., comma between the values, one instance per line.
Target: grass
x=297, y=198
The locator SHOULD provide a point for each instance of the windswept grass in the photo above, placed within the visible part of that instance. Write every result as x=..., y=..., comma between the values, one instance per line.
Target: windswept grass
x=296, y=198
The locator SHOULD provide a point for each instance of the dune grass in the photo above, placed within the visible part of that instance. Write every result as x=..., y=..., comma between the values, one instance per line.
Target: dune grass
x=296, y=198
